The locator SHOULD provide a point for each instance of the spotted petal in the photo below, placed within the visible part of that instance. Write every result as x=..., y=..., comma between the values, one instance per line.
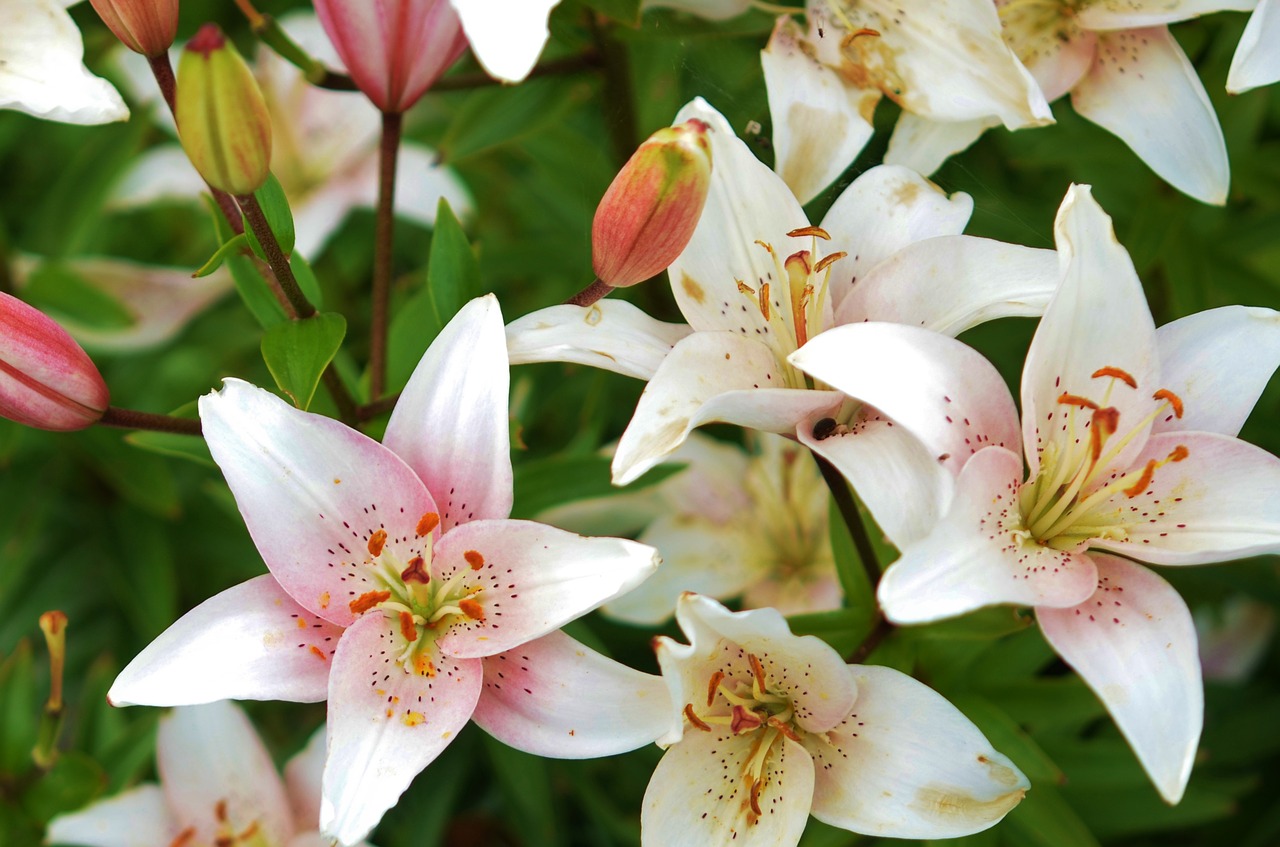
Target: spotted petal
x=1134, y=643
x=1257, y=62
x=611, y=334
x=1129, y=14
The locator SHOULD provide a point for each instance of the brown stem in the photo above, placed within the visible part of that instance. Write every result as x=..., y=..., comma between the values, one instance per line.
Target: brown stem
x=852, y=519
x=617, y=91
x=131, y=419
x=871, y=642
x=384, y=241
x=593, y=292
x=348, y=411
x=369, y=411
x=280, y=268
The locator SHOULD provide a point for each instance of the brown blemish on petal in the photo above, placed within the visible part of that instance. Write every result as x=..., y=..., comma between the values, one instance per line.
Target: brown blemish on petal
x=324, y=600
x=414, y=718
x=952, y=804
x=693, y=289
x=318, y=653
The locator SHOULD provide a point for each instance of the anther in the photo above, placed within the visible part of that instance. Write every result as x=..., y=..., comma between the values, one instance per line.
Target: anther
x=755, y=796
x=1104, y=426
x=1178, y=454
x=853, y=36
x=367, y=601
x=756, y=670
x=1077, y=400
x=1115, y=373
x=471, y=608
x=764, y=300
x=474, y=559
x=1172, y=399
x=376, y=542
x=416, y=572
x=407, y=627
x=827, y=261
x=427, y=523
x=184, y=838
x=744, y=720
x=1143, y=481
x=816, y=231
x=783, y=727
x=220, y=811
x=712, y=685
x=694, y=719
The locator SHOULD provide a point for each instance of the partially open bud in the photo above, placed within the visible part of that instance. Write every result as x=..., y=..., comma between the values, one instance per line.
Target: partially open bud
x=393, y=49
x=144, y=26
x=46, y=379
x=222, y=117
x=652, y=207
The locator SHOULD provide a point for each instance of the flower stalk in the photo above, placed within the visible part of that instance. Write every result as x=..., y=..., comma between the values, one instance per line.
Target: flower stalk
x=384, y=243
x=54, y=626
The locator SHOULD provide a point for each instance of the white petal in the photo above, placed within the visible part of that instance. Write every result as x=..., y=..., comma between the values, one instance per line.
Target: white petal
x=506, y=35
x=1143, y=88
x=1129, y=14
x=161, y=174
x=420, y=183
x=136, y=818
x=451, y=423
x=42, y=71
x=1257, y=61
x=907, y=764
x=1134, y=643
x=1218, y=362
x=976, y=557
x=952, y=283
x=1057, y=55
x=302, y=776
x=1098, y=318
x=558, y=698
x=883, y=211
x=697, y=796
x=386, y=724
x=211, y=760
x=611, y=334
x=819, y=123
x=251, y=642
x=923, y=145
x=529, y=579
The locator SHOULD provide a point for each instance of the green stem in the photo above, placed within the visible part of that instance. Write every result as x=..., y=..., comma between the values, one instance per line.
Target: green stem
x=131, y=419
x=384, y=243
x=623, y=132
x=280, y=267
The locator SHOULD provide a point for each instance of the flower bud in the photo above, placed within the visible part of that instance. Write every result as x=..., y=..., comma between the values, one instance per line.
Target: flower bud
x=652, y=207
x=222, y=117
x=46, y=379
x=144, y=26
x=393, y=49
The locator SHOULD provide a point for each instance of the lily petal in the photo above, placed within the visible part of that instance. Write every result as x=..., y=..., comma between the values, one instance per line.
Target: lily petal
x=302, y=776
x=975, y=558
x=386, y=724
x=506, y=35
x=558, y=698
x=1143, y=88
x=161, y=174
x=1134, y=643
x=451, y=423
x=251, y=642
x=532, y=579
x=136, y=818
x=1218, y=362
x=312, y=492
x=1256, y=61
x=952, y=283
x=610, y=334
x=1130, y=14
x=907, y=764
x=709, y=766
x=923, y=145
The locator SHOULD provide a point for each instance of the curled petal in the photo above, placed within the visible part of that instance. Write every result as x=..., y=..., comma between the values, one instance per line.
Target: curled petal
x=923, y=145
x=302, y=776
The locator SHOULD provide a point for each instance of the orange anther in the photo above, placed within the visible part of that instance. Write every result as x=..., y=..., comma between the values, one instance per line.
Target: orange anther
x=407, y=627
x=427, y=523
x=694, y=719
x=755, y=797
x=1116, y=373
x=815, y=231
x=743, y=288
x=853, y=36
x=471, y=608
x=183, y=838
x=367, y=601
x=765, y=245
x=1179, y=453
x=764, y=300
x=376, y=542
x=744, y=720
x=1077, y=400
x=1143, y=481
x=416, y=572
x=1173, y=400
x=220, y=811
x=1104, y=426
x=318, y=653
x=782, y=727
x=757, y=670
x=712, y=685
x=827, y=261
x=474, y=559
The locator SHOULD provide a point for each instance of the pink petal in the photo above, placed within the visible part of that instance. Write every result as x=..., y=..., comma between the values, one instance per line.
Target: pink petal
x=976, y=556
x=530, y=579
x=386, y=724
x=1134, y=643
x=451, y=423
x=137, y=818
x=251, y=642
x=312, y=492
x=558, y=698
x=302, y=775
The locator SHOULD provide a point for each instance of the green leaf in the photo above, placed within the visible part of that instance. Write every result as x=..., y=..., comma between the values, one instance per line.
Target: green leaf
x=174, y=444
x=70, y=784
x=525, y=782
x=228, y=248
x=495, y=116
x=1009, y=738
x=1044, y=819
x=141, y=478
x=56, y=288
x=20, y=709
x=306, y=278
x=297, y=352
x=543, y=483
x=255, y=292
x=275, y=208
x=623, y=11
x=843, y=629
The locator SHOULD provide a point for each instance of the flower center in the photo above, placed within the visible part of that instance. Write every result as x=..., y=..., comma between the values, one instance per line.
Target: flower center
x=1035, y=28
x=228, y=833
x=1060, y=506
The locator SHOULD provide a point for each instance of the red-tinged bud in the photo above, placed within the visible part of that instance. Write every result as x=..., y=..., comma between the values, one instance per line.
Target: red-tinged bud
x=650, y=211
x=222, y=117
x=393, y=49
x=46, y=379
x=144, y=26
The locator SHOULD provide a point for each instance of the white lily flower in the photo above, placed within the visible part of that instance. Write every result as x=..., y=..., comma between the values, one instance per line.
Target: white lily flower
x=218, y=785
x=1129, y=439
x=395, y=575
x=506, y=36
x=1257, y=59
x=42, y=68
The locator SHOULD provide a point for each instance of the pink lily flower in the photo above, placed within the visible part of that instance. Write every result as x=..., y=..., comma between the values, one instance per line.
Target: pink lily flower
x=394, y=573
x=1129, y=439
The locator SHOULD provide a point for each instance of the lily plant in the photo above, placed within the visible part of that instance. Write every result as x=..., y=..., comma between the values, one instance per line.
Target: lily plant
x=1128, y=435
x=1257, y=59
x=395, y=574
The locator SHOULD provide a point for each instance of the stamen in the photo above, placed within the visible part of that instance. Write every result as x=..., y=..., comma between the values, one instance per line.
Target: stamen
x=783, y=727
x=367, y=601
x=183, y=838
x=376, y=542
x=827, y=261
x=756, y=670
x=1104, y=426
x=1077, y=400
x=1143, y=481
x=1116, y=373
x=755, y=796
x=472, y=609
x=744, y=720
x=716, y=679
x=427, y=523
x=474, y=559
x=816, y=231
x=1179, y=453
x=1173, y=399
x=248, y=832
x=851, y=37
x=764, y=300
x=407, y=627
x=416, y=572
x=694, y=719
x=220, y=811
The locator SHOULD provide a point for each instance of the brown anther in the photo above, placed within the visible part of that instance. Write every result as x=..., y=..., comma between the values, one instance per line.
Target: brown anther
x=183, y=838
x=816, y=231
x=474, y=559
x=416, y=572
x=764, y=300
x=407, y=627
x=856, y=34
x=472, y=609
x=755, y=796
x=1104, y=426
x=827, y=261
x=1172, y=399
x=713, y=685
x=757, y=670
x=427, y=523
x=376, y=542
x=367, y=601
x=744, y=720
x=1143, y=481
x=1077, y=400
x=1115, y=373
x=765, y=245
x=694, y=719
x=223, y=841
x=783, y=727
x=220, y=811
x=1179, y=453
x=743, y=288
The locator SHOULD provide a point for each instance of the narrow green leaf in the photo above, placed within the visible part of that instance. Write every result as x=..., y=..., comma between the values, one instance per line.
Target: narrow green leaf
x=229, y=248
x=275, y=208
x=1009, y=738
x=19, y=709
x=297, y=352
x=306, y=278
x=254, y=291
x=524, y=780
x=1044, y=819
x=70, y=784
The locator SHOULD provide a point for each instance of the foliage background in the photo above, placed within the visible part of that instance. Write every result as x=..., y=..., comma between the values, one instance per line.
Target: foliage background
x=125, y=539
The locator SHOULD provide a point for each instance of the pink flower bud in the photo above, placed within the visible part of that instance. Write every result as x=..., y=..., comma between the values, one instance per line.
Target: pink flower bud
x=652, y=207
x=222, y=117
x=393, y=49
x=46, y=379
x=144, y=26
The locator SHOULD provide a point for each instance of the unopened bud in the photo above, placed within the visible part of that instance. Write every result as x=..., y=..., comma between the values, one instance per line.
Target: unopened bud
x=46, y=379
x=652, y=207
x=144, y=26
x=54, y=626
x=222, y=117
